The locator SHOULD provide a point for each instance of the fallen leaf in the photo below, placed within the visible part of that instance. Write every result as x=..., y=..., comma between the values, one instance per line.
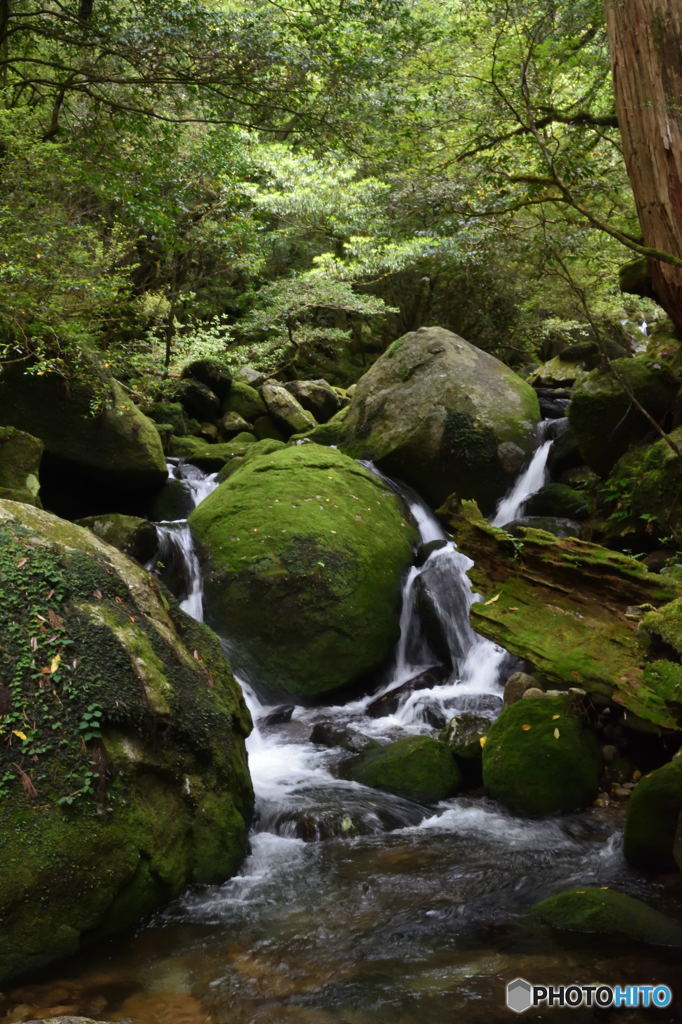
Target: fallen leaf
x=54, y=664
x=492, y=600
x=56, y=621
x=557, y=734
x=555, y=717
x=526, y=727
x=19, y=733
x=483, y=740
x=21, y=562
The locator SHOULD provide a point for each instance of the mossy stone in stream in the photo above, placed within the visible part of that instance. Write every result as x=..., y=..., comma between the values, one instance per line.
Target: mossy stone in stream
x=418, y=767
x=607, y=912
x=654, y=811
x=541, y=758
x=304, y=553
x=123, y=772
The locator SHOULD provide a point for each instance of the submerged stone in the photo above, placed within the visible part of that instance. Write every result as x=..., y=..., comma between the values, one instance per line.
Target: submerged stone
x=606, y=912
x=304, y=553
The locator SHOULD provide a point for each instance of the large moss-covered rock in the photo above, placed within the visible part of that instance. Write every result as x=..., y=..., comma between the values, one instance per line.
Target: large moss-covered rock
x=212, y=374
x=643, y=495
x=575, y=611
x=244, y=400
x=20, y=456
x=304, y=552
x=607, y=912
x=444, y=416
x=117, y=450
x=317, y=396
x=541, y=758
x=418, y=767
x=286, y=410
x=602, y=414
x=123, y=772
x=653, y=818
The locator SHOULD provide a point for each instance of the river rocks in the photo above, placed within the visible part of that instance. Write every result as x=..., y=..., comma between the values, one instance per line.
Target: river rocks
x=557, y=500
x=389, y=702
x=207, y=456
x=20, y=456
x=135, y=537
x=603, y=417
x=653, y=818
x=90, y=460
x=317, y=396
x=604, y=911
x=212, y=374
x=540, y=757
x=197, y=400
x=288, y=412
x=417, y=767
x=463, y=735
x=122, y=760
x=440, y=414
x=244, y=400
x=574, y=611
x=516, y=685
x=304, y=553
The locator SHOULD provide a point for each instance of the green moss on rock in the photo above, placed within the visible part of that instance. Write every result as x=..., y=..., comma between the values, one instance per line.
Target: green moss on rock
x=123, y=771
x=304, y=553
x=603, y=417
x=653, y=815
x=541, y=758
x=20, y=456
x=418, y=767
x=245, y=401
x=607, y=912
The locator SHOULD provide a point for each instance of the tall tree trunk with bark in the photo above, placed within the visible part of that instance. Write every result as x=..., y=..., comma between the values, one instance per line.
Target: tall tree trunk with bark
x=645, y=40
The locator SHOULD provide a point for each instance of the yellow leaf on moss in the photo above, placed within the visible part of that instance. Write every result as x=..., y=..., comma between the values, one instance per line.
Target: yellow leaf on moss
x=492, y=600
x=526, y=727
x=557, y=734
x=54, y=664
x=483, y=740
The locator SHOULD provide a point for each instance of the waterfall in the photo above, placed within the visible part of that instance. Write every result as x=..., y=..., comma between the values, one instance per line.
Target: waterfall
x=529, y=482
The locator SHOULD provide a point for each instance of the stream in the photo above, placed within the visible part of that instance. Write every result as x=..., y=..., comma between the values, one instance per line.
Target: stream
x=356, y=906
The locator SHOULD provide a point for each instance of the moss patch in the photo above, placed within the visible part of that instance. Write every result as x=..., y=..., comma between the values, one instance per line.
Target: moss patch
x=607, y=912
x=418, y=767
x=653, y=815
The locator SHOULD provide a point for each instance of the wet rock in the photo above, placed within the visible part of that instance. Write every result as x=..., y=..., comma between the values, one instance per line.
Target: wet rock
x=653, y=818
x=516, y=686
x=278, y=716
x=435, y=410
x=557, y=500
x=417, y=767
x=463, y=735
x=541, y=757
x=389, y=702
x=605, y=911
x=304, y=552
x=331, y=734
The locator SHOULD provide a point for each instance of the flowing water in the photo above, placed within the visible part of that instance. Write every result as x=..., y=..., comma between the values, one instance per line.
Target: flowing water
x=356, y=906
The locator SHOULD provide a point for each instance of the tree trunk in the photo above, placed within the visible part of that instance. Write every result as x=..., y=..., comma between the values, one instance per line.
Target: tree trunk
x=645, y=40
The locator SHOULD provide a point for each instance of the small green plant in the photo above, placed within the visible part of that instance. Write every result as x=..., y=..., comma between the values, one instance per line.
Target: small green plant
x=90, y=725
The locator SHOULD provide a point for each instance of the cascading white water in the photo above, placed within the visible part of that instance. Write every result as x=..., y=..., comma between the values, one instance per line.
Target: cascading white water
x=529, y=482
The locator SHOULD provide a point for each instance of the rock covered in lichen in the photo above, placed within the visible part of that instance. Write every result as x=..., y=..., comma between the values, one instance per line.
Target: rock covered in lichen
x=304, y=553
x=122, y=765
x=444, y=416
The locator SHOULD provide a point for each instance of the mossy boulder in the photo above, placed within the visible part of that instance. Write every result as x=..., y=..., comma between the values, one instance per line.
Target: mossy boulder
x=444, y=416
x=557, y=500
x=212, y=374
x=170, y=414
x=123, y=772
x=90, y=459
x=603, y=417
x=20, y=456
x=417, y=767
x=574, y=610
x=541, y=758
x=135, y=537
x=653, y=818
x=304, y=553
x=244, y=400
x=643, y=493
x=317, y=396
x=197, y=399
x=603, y=911
x=205, y=454
x=286, y=410
x=248, y=451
